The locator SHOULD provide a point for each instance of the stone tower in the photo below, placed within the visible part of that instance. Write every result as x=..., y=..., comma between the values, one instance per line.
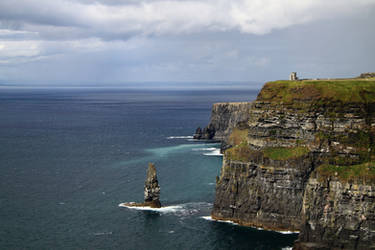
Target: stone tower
x=293, y=76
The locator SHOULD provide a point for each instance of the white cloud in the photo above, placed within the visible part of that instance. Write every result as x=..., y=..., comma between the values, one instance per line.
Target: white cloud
x=205, y=39
x=19, y=48
x=82, y=19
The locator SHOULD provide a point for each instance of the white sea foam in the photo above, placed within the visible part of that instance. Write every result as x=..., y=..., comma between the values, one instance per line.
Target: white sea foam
x=287, y=248
x=288, y=232
x=167, y=209
x=209, y=218
x=180, y=137
x=215, y=152
x=204, y=140
x=102, y=233
x=181, y=210
x=204, y=149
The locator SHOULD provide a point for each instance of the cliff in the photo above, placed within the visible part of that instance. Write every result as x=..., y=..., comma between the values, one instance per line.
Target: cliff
x=224, y=117
x=337, y=214
x=294, y=132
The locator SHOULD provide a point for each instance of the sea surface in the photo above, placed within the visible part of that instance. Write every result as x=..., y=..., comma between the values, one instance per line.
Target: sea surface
x=69, y=157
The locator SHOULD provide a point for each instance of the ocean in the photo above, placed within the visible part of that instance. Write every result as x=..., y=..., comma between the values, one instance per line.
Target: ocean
x=69, y=157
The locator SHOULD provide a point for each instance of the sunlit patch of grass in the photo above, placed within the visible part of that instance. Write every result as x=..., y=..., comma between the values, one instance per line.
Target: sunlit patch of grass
x=363, y=173
x=285, y=153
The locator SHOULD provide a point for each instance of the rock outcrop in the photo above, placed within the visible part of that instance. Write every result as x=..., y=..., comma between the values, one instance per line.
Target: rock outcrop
x=224, y=117
x=294, y=132
x=151, y=191
x=152, y=188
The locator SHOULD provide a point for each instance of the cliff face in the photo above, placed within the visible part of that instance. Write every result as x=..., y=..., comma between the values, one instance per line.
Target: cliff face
x=337, y=215
x=262, y=192
x=224, y=117
x=293, y=130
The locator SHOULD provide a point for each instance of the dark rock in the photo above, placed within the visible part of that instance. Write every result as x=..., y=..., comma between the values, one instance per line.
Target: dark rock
x=207, y=133
x=224, y=117
x=152, y=188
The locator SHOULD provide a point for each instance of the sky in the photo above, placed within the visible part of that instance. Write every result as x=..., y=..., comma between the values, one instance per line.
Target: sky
x=184, y=42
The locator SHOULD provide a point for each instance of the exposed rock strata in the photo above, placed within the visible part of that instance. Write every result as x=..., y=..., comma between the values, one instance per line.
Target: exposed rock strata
x=262, y=193
x=224, y=117
x=337, y=215
x=268, y=178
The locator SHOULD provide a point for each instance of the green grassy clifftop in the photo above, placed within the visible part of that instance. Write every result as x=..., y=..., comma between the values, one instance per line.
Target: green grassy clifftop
x=312, y=94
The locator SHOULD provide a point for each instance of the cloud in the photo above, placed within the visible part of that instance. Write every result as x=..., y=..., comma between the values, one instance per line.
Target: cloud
x=68, y=19
x=136, y=40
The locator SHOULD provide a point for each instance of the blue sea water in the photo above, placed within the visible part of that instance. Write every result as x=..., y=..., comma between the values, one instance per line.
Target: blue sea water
x=69, y=157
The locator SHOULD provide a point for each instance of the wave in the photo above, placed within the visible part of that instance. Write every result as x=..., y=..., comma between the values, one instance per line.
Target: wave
x=165, y=151
x=102, y=233
x=186, y=209
x=161, y=152
x=209, y=218
x=215, y=152
x=211, y=141
x=167, y=209
x=204, y=149
x=180, y=137
x=211, y=151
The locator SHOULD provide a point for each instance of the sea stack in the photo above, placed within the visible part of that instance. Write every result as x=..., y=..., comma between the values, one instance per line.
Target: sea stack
x=152, y=188
x=151, y=191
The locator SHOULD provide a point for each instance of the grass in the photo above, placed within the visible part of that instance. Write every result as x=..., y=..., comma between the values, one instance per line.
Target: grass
x=244, y=153
x=361, y=143
x=364, y=173
x=241, y=152
x=283, y=153
x=319, y=92
x=238, y=136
